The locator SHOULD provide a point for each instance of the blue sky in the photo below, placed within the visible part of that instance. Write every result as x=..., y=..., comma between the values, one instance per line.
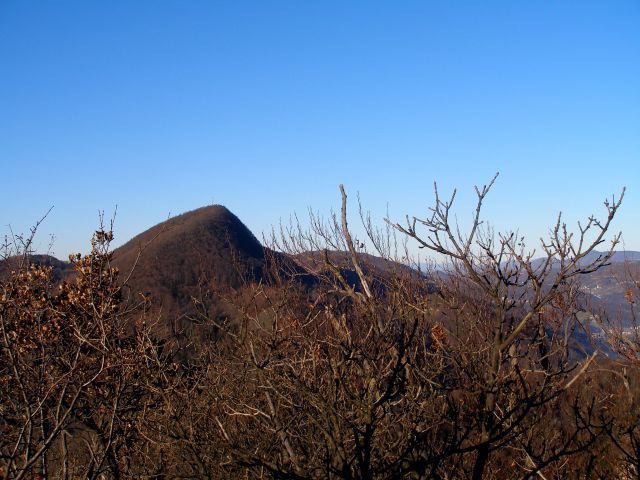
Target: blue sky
x=265, y=107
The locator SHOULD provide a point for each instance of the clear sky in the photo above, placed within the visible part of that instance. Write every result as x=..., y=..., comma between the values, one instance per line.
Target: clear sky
x=161, y=107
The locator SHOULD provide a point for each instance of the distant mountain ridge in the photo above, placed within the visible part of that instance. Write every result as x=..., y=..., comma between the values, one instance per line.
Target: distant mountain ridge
x=208, y=249
x=618, y=256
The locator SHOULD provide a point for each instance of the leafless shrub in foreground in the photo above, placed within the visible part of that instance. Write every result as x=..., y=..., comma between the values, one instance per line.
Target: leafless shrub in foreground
x=68, y=368
x=477, y=381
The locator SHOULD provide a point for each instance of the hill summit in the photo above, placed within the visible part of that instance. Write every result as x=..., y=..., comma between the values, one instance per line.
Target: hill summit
x=185, y=256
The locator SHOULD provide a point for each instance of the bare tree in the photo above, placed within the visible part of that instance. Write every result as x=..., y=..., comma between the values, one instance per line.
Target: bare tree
x=368, y=382
x=335, y=364
x=622, y=415
x=68, y=368
x=523, y=355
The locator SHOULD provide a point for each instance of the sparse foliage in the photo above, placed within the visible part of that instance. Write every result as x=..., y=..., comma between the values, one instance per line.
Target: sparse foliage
x=331, y=363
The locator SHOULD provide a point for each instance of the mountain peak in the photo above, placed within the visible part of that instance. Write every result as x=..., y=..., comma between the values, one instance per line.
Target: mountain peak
x=188, y=254
x=209, y=228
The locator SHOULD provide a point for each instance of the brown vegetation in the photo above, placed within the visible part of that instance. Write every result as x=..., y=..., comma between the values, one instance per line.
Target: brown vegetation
x=368, y=371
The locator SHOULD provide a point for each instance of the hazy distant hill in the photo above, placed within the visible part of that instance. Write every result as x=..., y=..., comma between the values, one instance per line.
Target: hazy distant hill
x=618, y=257
x=606, y=288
